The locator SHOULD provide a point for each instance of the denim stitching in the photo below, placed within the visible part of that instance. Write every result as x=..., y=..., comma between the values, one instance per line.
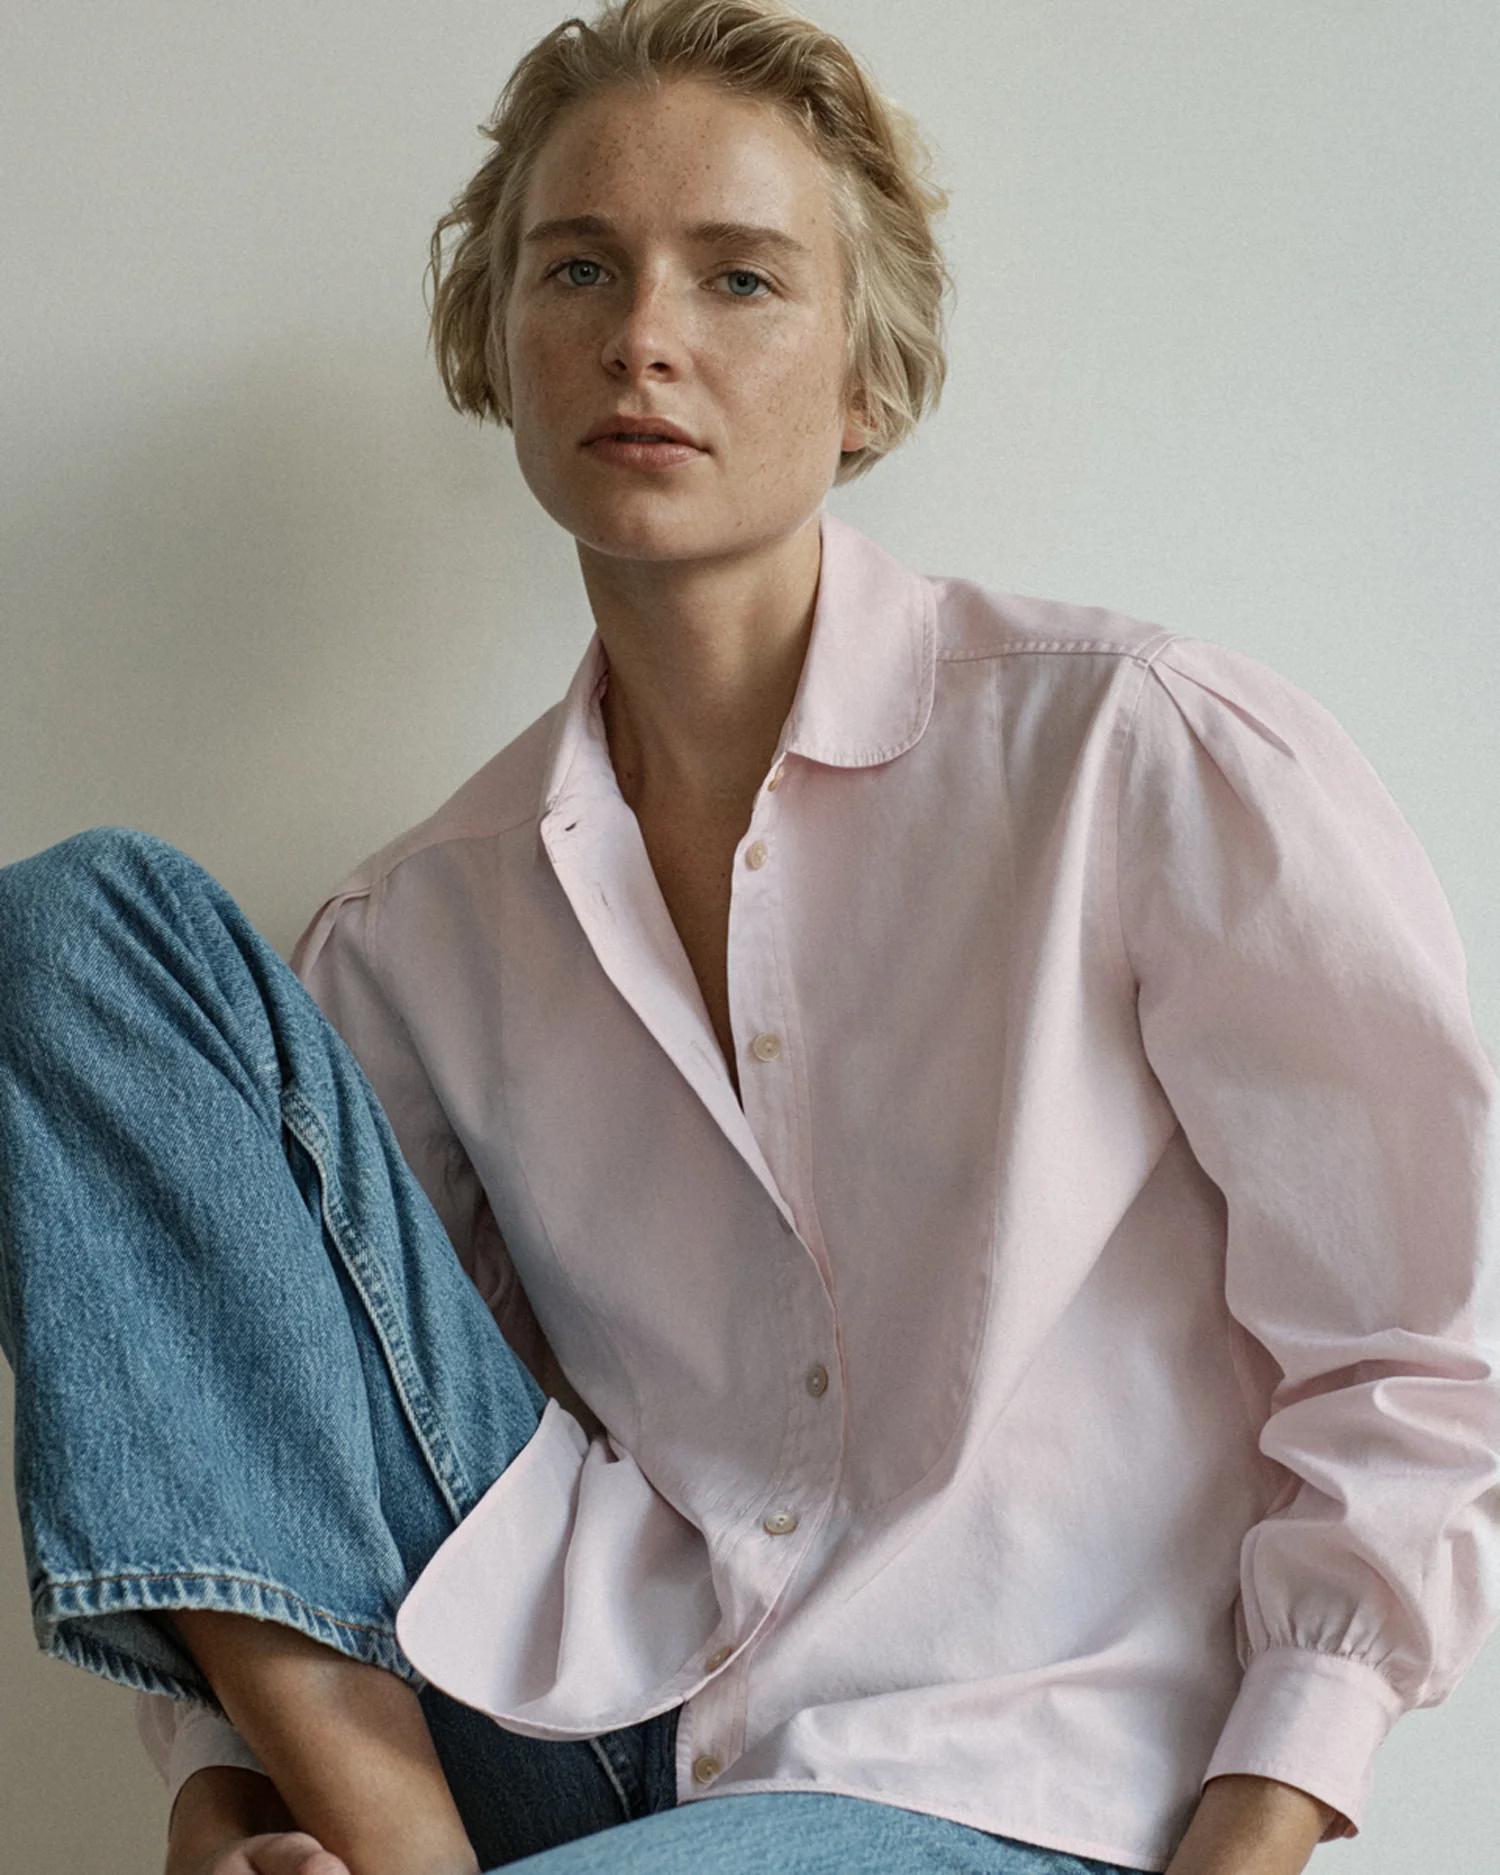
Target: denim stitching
x=601, y=1753
x=70, y=1584
x=364, y=1266
x=56, y=1602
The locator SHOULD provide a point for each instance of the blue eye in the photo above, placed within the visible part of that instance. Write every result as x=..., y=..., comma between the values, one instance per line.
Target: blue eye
x=743, y=273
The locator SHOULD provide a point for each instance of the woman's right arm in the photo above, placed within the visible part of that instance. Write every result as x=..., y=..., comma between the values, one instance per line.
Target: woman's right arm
x=230, y=1821
x=226, y=1816
x=225, y=1803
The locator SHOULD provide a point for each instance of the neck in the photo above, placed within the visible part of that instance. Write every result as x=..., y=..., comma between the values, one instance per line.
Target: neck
x=704, y=662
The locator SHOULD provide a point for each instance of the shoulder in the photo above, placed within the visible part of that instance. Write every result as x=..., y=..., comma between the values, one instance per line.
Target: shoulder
x=495, y=800
x=1055, y=639
x=980, y=621
x=1167, y=696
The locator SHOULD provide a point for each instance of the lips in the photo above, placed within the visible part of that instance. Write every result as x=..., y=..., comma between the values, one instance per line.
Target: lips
x=658, y=429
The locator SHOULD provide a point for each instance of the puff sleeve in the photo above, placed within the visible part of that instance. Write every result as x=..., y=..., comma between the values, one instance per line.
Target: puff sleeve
x=336, y=957
x=1303, y=1002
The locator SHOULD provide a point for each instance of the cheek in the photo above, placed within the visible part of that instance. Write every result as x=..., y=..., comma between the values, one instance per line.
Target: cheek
x=792, y=397
x=531, y=333
x=539, y=367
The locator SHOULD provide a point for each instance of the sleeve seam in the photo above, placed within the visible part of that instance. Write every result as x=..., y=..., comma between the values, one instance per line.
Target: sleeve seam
x=382, y=977
x=1127, y=749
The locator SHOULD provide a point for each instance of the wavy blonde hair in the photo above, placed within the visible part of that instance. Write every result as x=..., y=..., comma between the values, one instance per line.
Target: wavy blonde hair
x=895, y=280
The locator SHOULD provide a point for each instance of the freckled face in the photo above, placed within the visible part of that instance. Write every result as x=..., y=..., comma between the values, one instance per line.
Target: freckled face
x=741, y=346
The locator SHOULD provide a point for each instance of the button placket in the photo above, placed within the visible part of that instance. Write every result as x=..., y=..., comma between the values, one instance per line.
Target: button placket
x=713, y=1710
x=765, y=1046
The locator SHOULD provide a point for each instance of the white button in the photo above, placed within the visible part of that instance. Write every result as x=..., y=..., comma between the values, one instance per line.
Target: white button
x=775, y=781
x=817, y=1379
x=718, y=1657
x=780, y=1523
x=706, y=1769
x=766, y=1047
x=756, y=854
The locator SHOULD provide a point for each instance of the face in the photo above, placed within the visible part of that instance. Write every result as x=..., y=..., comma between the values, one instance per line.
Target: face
x=740, y=345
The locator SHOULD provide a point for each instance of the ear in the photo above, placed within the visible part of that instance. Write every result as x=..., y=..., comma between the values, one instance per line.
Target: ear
x=858, y=430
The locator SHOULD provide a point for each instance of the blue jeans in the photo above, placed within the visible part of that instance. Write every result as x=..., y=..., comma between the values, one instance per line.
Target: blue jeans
x=252, y=1376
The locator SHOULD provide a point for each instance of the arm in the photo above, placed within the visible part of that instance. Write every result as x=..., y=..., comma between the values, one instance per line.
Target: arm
x=183, y=1741
x=1302, y=999
x=336, y=958
x=1247, y=1825
x=331, y=958
x=218, y=1806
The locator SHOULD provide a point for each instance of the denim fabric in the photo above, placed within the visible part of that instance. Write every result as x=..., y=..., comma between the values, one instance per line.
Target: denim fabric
x=252, y=1376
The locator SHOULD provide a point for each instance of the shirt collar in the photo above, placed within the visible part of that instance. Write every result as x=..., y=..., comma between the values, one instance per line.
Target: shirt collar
x=866, y=689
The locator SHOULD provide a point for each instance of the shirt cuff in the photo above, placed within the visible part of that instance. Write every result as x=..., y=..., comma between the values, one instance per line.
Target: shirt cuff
x=181, y=1737
x=1314, y=1720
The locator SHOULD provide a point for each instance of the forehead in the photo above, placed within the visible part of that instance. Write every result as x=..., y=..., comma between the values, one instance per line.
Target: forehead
x=690, y=153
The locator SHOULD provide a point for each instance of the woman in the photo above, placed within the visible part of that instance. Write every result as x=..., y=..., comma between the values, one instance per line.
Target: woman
x=962, y=1108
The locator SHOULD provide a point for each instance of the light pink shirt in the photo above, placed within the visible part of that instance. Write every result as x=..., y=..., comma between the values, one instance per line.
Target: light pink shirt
x=1072, y=1375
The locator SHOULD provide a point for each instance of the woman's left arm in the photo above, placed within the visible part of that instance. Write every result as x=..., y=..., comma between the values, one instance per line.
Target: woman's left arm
x=1251, y=1826
x=1302, y=999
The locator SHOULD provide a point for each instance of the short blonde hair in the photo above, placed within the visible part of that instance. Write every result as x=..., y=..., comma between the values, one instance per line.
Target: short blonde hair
x=884, y=205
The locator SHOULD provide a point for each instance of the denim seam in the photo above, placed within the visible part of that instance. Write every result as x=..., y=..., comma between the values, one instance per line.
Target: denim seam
x=67, y=1586
x=57, y=1601
x=364, y=1265
x=601, y=1752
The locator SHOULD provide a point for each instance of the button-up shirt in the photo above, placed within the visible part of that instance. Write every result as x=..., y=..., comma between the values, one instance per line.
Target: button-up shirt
x=1067, y=1373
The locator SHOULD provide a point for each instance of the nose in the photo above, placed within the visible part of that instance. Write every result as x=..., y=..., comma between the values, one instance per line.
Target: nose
x=649, y=332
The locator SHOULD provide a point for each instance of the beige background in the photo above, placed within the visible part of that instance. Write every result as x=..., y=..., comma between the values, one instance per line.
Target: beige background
x=1225, y=355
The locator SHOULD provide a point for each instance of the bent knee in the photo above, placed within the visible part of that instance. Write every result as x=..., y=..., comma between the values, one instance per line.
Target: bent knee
x=46, y=891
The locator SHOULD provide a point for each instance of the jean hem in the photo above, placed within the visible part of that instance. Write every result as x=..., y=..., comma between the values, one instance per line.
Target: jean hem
x=59, y=1602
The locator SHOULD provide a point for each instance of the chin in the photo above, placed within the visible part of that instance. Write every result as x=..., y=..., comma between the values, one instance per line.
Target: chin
x=645, y=524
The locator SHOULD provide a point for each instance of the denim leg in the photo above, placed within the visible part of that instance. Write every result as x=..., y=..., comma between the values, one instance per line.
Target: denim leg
x=251, y=1374
x=801, y=1832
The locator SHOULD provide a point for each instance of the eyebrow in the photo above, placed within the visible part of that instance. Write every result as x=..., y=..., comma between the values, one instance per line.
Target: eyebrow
x=743, y=234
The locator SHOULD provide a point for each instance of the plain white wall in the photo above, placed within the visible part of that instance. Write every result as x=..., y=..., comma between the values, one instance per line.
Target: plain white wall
x=1225, y=354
